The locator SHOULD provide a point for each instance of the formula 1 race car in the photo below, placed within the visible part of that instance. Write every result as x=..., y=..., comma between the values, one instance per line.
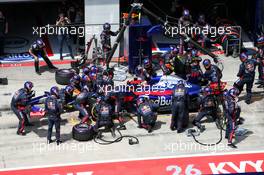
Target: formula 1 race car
x=159, y=90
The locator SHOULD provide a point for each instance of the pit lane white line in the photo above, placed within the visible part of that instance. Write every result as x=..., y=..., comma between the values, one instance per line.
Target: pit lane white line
x=135, y=159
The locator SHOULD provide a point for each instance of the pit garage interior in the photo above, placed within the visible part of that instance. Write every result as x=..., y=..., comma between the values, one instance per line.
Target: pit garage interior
x=25, y=14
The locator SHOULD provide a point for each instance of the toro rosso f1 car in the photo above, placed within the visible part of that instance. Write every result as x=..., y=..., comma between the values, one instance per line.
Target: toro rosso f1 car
x=160, y=89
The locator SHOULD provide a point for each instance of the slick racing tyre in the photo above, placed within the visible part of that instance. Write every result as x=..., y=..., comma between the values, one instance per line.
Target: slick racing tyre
x=83, y=132
x=63, y=76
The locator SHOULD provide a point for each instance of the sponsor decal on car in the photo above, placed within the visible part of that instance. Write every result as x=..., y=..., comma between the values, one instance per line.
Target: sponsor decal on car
x=162, y=100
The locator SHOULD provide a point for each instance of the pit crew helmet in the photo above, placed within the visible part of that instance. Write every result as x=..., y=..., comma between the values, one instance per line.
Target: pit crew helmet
x=28, y=85
x=207, y=64
x=233, y=92
x=54, y=91
x=69, y=89
x=243, y=57
x=107, y=26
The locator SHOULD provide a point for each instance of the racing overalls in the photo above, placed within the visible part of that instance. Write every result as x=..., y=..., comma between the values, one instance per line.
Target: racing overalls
x=213, y=75
x=166, y=64
x=260, y=59
x=146, y=111
x=232, y=113
x=106, y=42
x=208, y=107
x=180, y=101
x=77, y=86
x=42, y=54
x=65, y=98
x=195, y=73
x=104, y=111
x=19, y=105
x=81, y=104
x=53, y=110
x=246, y=76
x=184, y=22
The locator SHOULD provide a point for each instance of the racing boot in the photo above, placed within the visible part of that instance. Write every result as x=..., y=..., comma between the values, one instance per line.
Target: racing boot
x=58, y=142
x=260, y=86
x=36, y=64
x=23, y=133
x=172, y=128
x=199, y=126
x=248, y=99
x=113, y=132
x=149, y=128
x=180, y=130
x=217, y=123
x=49, y=141
x=232, y=145
x=259, y=82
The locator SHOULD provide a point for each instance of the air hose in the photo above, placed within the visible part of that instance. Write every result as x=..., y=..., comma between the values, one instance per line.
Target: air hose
x=102, y=141
x=208, y=144
x=192, y=131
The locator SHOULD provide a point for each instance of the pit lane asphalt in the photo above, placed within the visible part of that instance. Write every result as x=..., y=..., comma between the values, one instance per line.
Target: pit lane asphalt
x=32, y=150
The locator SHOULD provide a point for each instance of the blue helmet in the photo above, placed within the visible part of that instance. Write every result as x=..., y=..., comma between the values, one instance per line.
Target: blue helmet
x=146, y=63
x=186, y=13
x=40, y=43
x=140, y=100
x=76, y=79
x=85, y=88
x=174, y=49
x=233, y=92
x=85, y=78
x=69, y=89
x=207, y=91
x=243, y=57
x=107, y=26
x=194, y=53
x=94, y=69
x=201, y=18
x=207, y=63
x=28, y=85
x=92, y=75
x=54, y=91
x=260, y=41
x=100, y=98
x=86, y=71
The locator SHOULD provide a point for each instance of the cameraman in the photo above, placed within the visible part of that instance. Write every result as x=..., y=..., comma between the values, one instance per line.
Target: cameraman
x=63, y=35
